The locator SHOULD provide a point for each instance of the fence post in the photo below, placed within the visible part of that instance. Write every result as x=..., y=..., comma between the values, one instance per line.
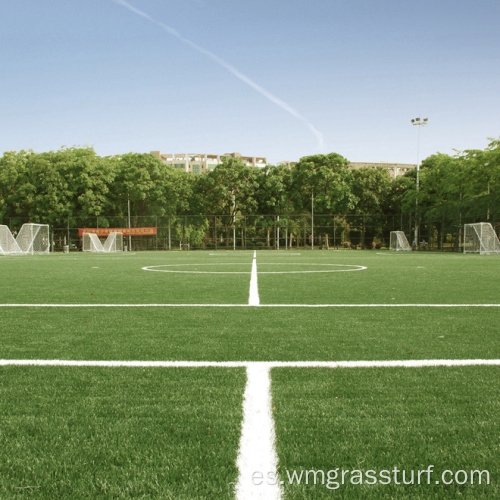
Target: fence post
x=442, y=229
x=184, y=232
x=244, y=234
x=215, y=231
x=276, y=234
x=363, y=234
x=494, y=210
x=169, y=235
x=429, y=235
x=304, y=230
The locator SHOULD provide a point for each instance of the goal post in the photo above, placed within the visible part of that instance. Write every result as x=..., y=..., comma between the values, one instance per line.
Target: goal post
x=8, y=244
x=399, y=242
x=92, y=243
x=480, y=238
x=34, y=238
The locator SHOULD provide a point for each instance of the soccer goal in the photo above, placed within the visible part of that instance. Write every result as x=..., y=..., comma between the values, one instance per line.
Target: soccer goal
x=480, y=238
x=34, y=238
x=399, y=242
x=114, y=242
x=8, y=244
x=92, y=243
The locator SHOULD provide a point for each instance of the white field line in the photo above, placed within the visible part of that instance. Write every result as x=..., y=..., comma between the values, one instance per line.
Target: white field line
x=174, y=268
x=246, y=305
x=253, y=299
x=257, y=444
x=257, y=451
x=405, y=363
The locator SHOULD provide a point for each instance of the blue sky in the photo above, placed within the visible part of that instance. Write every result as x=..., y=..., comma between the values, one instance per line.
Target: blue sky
x=264, y=78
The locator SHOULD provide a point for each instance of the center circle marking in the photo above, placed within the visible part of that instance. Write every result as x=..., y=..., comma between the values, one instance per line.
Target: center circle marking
x=160, y=268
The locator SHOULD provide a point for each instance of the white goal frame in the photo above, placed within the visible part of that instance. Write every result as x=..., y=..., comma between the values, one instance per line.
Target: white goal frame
x=114, y=242
x=8, y=244
x=34, y=239
x=92, y=243
x=481, y=238
x=399, y=242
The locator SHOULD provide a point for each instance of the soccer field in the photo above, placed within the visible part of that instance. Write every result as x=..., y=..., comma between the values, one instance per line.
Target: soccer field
x=239, y=374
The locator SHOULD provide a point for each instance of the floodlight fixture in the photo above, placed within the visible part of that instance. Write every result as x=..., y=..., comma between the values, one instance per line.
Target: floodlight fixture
x=420, y=123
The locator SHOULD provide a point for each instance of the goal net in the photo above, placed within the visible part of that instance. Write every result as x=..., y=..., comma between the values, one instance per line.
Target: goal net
x=8, y=244
x=114, y=242
x=398, y=241
x=92, y=243
x=480, y=238
x=34, y=238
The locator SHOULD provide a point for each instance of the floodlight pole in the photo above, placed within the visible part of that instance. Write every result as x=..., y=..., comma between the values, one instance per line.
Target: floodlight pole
x=419, y=123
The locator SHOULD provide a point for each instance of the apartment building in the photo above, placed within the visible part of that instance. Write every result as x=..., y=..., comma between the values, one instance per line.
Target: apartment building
x=395, y=169
x=201, y=163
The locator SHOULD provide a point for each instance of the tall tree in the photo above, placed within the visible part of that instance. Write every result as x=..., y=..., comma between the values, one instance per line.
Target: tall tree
x=143, y=180
x=230, y=188
x=47, y=187
x=371, y=187
x=322, y=184
x=325, y=181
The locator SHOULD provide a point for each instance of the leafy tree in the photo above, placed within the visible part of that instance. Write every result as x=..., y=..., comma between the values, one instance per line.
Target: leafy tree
x=371, y=188
x=325, y=181
x=273, y=199
x=147, y=183
x=228, y=190
x=46, y=187
x=16, y=190
x=273, y=192
x=482, y=170
x=324, y=184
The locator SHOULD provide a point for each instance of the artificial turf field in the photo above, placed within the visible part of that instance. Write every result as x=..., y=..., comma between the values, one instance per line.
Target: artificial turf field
x=174, y=432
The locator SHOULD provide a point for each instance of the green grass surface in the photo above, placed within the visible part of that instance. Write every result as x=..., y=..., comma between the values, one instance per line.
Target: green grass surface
x=173, y=433
x=115, y=433
x=249, y=334
x=389, y=278
x=379, y=419
x=95, y=279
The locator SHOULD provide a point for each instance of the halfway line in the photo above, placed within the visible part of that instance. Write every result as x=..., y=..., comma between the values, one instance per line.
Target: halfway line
x=401, y=363
x=250, y=304
x=257, y=444
x=253, y=299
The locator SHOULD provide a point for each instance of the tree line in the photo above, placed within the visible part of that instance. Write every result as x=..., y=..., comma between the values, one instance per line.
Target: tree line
x=75, y=182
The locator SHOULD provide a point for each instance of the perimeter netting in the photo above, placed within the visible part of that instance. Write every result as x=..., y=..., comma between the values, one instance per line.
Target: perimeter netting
x=399, y=242
x=480, y=238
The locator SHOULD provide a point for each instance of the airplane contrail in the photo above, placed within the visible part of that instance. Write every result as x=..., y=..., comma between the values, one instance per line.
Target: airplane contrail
x=245, y=79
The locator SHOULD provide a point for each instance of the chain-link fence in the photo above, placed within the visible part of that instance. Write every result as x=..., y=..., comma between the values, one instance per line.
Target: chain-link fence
x=441, y=227
x=438, y=228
